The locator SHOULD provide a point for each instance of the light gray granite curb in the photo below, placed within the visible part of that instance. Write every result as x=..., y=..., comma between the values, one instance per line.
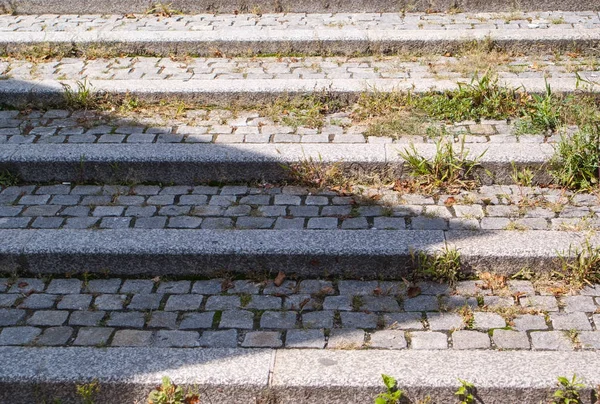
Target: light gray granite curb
x=308, y=6
x=125, y=375
x=350, y=40
x=199, y=163
x=352, y=254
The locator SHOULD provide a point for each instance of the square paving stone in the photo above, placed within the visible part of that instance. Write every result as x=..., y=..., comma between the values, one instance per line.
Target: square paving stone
x=498, y=301
x=509, y=339
x=359, y=320
x=312, y=286
x=103, y=286
x=487, y=321
x=183, y=302
x=589, y=339
x=550, y=341
x=150, y=301
x=110, y=302
x=403, y=321
x=197, y=320
x=470, y=340
x=444, y=321
x=74, y=302
x=545, y=303
x=7, y=300
x=133, y=338
x=318, y=319
x=262, y=339
x=570, y=321
x=305, y=339
x=212, y=287
x=346, y=339
x=48, y=317
x=357, y=288
x=457, y=302
x=380, y=303
x=515, y=286
x=302, y=302
x=176, y=287
x=579, y=304
x=428, y=340
x=19, y=335
x=260, y=302
x=278, y=319
x=287, y=287
x=55, y=336
x=64, y=286
x=161, y=319
x=343, y=303
x=168, y=338
x=86, y=318
x=93, y=336
x=222, y=302
x=218, y=339
x=27, y=285
x=237, y=319
x=132, y=319
x=422, y=303
x=528, y=322
x=137, y=286
x=38, y=301
x=244, y=287
x=388, y=339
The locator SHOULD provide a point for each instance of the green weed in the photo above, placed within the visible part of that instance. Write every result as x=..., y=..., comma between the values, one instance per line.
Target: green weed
x=443, y=266
x=392, y=395
x=8, y=179
x=568, y=391
x=163, y=10
x=523, y=176
x=170, y=393
x=80, y=98
x=542, y=114
x=88, y=391
x=465, y=392
x=580, y=266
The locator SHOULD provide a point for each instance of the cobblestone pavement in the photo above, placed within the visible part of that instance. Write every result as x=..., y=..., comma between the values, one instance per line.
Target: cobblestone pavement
x=293, y=208
x=266, y=68
x=297, y=314
x=224, y=126
x=393, y=21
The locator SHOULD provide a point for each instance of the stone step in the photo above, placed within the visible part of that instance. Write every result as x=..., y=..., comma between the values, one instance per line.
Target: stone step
x=202, y=163
x=306, y=6
x=305, y=34
x=127, y=375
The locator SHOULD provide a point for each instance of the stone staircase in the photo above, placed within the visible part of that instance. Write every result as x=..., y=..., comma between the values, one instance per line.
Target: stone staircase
x=161, y=165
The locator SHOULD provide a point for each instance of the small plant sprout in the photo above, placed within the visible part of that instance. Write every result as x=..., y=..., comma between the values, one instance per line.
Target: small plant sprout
x=580, y=266
x=88, y=391
x=443, y=266
x=568, y=391
x=392, y=394
x=81, y=97
x=170, y=393
x=523, y=176
x=466, y=392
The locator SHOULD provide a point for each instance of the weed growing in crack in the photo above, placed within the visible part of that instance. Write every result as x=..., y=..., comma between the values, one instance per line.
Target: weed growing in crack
x=8, y=179
x=466, y=392
x=568, y=391
x=542, y=114
x=442, y=266
x=393, y=394
x=580, y=266
x=82, y=97
x=88, y=391
x=170, y=393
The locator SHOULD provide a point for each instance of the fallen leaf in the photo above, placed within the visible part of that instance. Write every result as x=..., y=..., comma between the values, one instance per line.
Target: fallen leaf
x=130, y=16
x=23, y=285
x=226, y=285
x=413, y=291
x=327, y=290
x=279, y=279
x=377, y=291
x=450, y=201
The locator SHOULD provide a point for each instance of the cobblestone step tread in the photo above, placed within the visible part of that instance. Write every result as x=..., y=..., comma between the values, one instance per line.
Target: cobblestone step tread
x=303, y=33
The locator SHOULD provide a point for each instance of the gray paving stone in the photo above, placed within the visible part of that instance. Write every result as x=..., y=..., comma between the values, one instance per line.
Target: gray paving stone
x=346, y=339
x=283, y=223
x=137, y=286
x=421, y=303
x=241, y=319
x=312, y=286
x=93, y=336
x=550, y=341
x=359, y=320
x=487, y=321
x=184, y=222
x=309, y=211
x=470, y=340
x=305, y=339
x=223, y=302
x=184, y=302
x=456, y=302
x=149, y=301
x=427, y=223
x=150, y=222
x=515, y=286
x=218, y=339
x=508, y=339
x=133, y=319
x=388, y=339
x=80, y=222
x=38, y=301
x=323, y=223
x=132, y=338
x=197, y=320
x=579, y=304
x=217, y=223
x=260, y=302
x=286, y=288
x=161, y=319
x=434, y=288
x=212, y=287
x=546, y=303
x=27, y=285
x=318, y=319
x=103, y=285
x=115, y=222
x=110, y=302
x=528, y=322
x=343, y=303
x=380, y=304
x=589, y=339
x=570, y=321
x=420, y=340
x=262, y=339
x=55, y=336
x=19, y=335
x=357, y=288
x=278, y=319
x=140, y=211
x=7, y=300
x=175, y=338
x=301, y=302
x=498, y=301
x=444, y=321
x=74, y=302
x=48, y=317
x=243, y=286
x=403, y=321
x=47, y=222
x=86, y=318
x=389, y=223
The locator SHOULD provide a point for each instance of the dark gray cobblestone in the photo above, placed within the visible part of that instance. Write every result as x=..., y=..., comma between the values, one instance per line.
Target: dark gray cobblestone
x=270, y=207
x=297, y=314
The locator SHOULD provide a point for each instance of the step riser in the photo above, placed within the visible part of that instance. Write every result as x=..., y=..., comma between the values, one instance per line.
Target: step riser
x=303, y=43
x=310, y=6
x=353, y=254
